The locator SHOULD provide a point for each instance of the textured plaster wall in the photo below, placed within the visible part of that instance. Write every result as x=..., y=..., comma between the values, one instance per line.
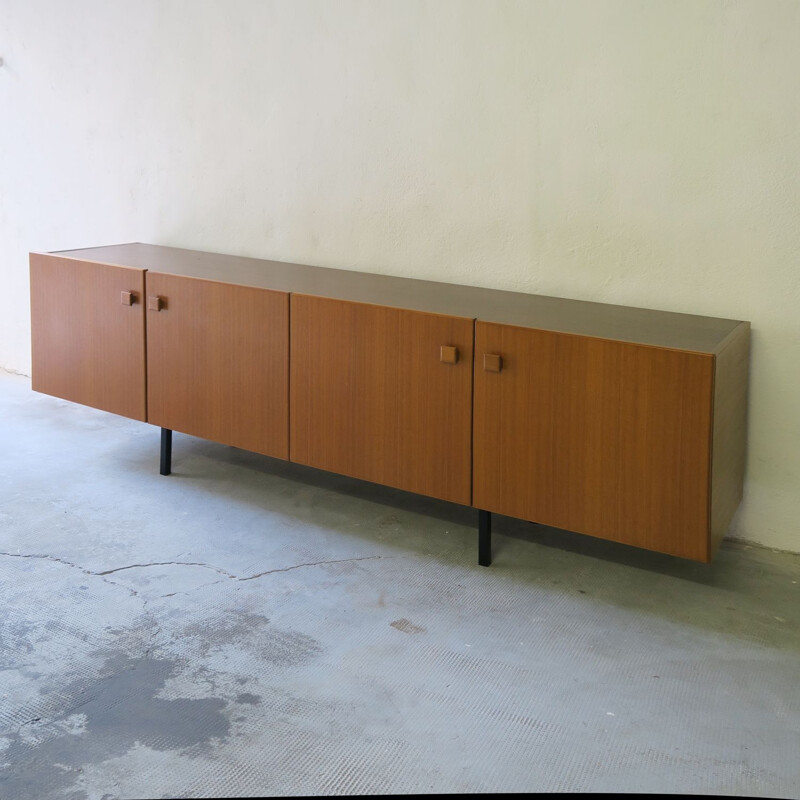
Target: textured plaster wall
x=638, y=152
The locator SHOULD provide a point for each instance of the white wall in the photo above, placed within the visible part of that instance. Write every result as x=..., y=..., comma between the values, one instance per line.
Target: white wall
x=639, y=152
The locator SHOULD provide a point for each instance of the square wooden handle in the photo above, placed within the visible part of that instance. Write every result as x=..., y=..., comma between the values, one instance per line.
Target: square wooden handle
x=127, y=298
x=154, y=303
x=492, y=362
x=448, y=355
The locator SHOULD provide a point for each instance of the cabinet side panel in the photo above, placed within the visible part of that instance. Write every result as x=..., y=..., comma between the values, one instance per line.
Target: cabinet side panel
x=87, y=346
x=217, y=362
x=594, y=436
x=371, y=396
x=731, y=379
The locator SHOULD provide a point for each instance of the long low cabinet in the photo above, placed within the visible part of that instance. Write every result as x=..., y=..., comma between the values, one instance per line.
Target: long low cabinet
x=622, y=423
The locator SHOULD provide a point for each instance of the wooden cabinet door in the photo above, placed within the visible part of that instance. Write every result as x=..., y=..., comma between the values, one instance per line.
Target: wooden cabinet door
x=87, y=333
x=595, y=436
x=372, y=397
x=217, y=361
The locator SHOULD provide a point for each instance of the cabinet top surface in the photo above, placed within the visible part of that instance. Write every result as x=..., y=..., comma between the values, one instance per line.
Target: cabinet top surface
x=623, y=323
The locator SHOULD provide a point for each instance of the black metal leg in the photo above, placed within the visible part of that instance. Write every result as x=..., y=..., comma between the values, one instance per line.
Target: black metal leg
x=484, y=538
x=166, y=451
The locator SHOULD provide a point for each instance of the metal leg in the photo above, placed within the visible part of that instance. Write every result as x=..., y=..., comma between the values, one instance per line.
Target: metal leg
x=484, y=538
x=166, y=451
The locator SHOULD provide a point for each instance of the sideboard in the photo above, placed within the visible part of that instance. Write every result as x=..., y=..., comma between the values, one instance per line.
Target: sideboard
x=622, y=423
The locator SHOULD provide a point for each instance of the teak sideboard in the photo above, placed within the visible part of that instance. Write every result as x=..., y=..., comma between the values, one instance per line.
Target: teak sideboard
x=622, y=423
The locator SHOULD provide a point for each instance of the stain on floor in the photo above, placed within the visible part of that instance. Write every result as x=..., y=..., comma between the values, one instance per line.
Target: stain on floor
x=104, y=718
x=406, y=626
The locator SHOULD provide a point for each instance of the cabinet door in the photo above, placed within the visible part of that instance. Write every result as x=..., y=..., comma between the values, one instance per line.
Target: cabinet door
x=599, y=437
x=87, y=333
x=217, y=362
x=374, y=397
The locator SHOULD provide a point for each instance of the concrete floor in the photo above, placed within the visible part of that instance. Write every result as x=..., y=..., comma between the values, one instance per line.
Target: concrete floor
x=248, y=627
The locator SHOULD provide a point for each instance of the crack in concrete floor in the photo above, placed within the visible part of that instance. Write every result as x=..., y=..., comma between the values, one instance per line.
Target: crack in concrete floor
x=218, y=570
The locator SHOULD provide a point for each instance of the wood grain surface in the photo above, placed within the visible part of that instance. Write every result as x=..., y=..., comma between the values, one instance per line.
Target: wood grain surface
x=217, y=362
x=594, y=436
x=371, y=398
x=87, y=344
x=623, y=423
